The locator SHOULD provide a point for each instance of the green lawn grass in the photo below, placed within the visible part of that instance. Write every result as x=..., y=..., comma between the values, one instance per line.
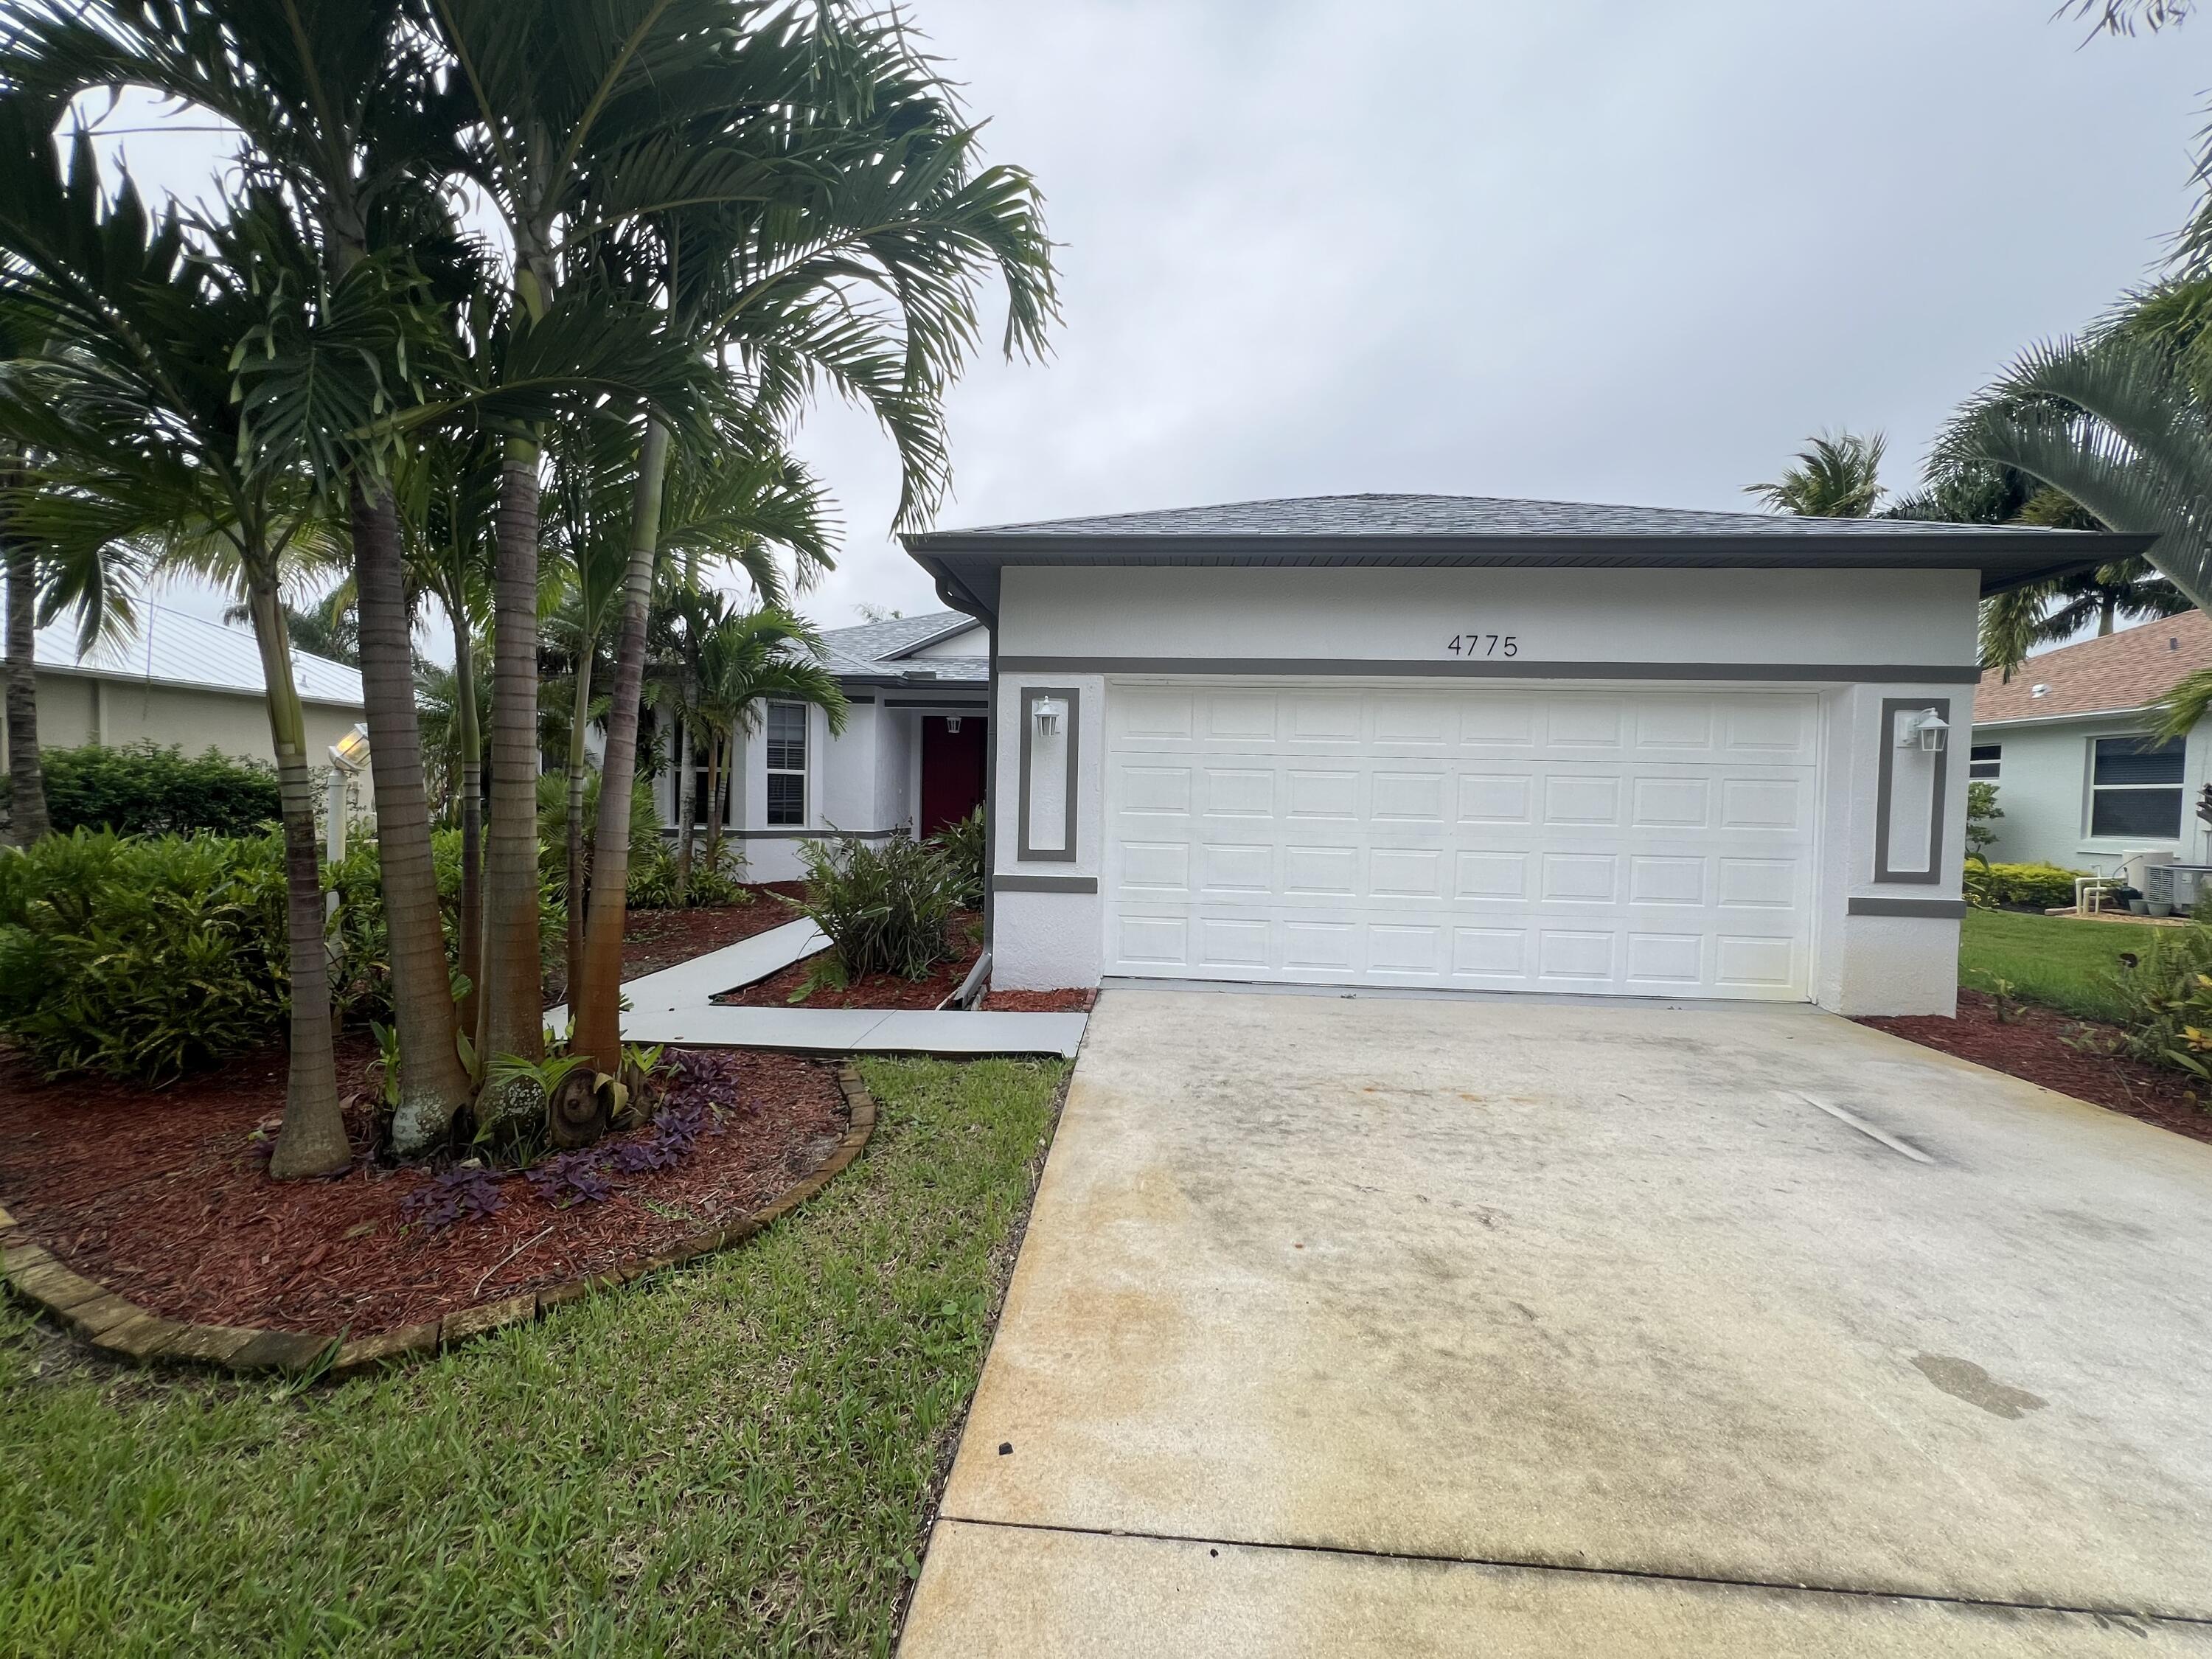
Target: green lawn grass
x=728, y=1458
x=2056, y=960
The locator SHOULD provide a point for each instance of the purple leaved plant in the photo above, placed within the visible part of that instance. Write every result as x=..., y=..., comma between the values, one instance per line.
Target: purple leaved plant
x=453, y=1195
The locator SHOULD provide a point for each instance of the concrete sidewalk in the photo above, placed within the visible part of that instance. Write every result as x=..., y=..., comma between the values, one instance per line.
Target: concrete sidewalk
x=1539, y=1330
x=676, y=1005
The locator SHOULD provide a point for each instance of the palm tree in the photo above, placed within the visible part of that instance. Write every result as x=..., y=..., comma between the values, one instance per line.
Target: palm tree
x=340, y=102
x=21, y=338
x=873, y=184
x=2015, y=622
x=571, y=102
x=746, y=657
x=2114, y=422
x=1835, y=477
x=737, y=508
x=207, y=365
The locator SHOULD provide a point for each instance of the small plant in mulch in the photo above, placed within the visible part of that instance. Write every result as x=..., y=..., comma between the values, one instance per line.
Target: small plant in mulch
x=455, y=1194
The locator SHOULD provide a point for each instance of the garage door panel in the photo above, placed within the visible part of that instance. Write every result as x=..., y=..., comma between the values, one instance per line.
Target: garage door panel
x=1654, y=843
x=1667, y=961
x=1495, y=797
x=1659, y=878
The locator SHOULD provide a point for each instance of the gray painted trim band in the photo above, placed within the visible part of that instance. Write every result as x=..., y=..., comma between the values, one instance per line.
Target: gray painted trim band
x=1849, y=673
x=1066, y=854
x=976, y=704
x=1044, y=884
x=1934, y=909
x=1891, y=709
x=807, y=834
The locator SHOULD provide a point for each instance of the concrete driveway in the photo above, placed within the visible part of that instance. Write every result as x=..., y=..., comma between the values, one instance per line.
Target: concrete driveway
x=1538, y=1328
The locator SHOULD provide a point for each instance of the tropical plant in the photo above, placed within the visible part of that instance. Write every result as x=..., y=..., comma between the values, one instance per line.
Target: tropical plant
x=21, y=338
x=966, y=846
x=141, y=958
x=142, y=788
x=1836, y=476
x=886, y=909
x=210, y=367
x=2167, y=996
x=875, y=188
x=1982, y=814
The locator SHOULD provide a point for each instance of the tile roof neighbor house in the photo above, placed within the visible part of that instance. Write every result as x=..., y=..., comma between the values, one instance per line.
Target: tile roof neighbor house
x=911, y=758
x=1450, y=743
x=2067, y=741
x=181, y=679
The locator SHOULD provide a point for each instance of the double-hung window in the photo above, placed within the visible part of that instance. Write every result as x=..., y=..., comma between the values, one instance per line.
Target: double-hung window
x=786, y=763
x=1984, y=761
x=2135, y=787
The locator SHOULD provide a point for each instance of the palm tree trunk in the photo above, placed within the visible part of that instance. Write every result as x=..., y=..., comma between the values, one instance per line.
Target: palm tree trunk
x=599, y=1023
x=717, y=749
x=514, y=996
x=2107, y=608
x=470, y=741
x=312, y=1141
x=433, y=1086
x=687, y=804
x=577, y=718
x=26, y=786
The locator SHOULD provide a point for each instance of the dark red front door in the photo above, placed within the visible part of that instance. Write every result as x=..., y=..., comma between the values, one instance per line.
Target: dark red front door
x=951, y=769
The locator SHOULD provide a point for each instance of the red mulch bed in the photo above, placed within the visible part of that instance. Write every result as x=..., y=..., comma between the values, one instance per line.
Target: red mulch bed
x=2035, y=1044
x=655, y=939
x=1040, y=1002
x=162, y=1198
x=870, y=990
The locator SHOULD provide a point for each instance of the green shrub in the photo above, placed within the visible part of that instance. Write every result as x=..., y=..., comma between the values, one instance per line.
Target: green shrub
x=2044, y=885
x=886, y=909
x=967, y=850
x=653, y=876
x=143, y=789
x=2168, y=998
x=142, y=958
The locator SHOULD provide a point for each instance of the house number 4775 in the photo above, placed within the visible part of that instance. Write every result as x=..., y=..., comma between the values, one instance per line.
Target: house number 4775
x=1483, y=645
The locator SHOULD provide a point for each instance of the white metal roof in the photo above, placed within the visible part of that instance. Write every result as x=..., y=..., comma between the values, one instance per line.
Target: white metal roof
x=169, y=647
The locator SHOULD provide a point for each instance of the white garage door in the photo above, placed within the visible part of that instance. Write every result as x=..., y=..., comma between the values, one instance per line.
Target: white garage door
x=1640, y=842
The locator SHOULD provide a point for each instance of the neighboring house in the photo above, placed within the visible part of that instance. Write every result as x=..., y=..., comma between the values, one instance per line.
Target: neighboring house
x=180, y=679
x=1383, y=741
x=2067, y=741
x=911, y=760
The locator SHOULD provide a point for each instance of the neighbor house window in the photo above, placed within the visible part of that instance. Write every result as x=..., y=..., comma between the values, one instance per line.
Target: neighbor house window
x=786, y=763
x=1983, y=762
x=2135, y=789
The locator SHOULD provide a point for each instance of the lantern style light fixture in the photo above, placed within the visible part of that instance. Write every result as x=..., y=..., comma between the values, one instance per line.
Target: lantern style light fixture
x=1049, y=713
x=1924, y=731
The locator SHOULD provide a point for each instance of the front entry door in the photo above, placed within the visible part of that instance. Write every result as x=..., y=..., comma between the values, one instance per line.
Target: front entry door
x=951, y=769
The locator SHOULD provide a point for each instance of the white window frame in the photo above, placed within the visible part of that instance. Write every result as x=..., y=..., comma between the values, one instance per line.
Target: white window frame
x=1981, y=755
x=2178, y=788
x=770, y=746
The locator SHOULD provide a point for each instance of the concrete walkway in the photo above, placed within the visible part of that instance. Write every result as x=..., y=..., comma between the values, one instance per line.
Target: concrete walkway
x=676, y=1005
x=1536, y=1328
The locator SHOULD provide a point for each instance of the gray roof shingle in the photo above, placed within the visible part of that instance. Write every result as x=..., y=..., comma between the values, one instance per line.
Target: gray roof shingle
x=878, y=650
x=1457, y=515
x=1478, y=532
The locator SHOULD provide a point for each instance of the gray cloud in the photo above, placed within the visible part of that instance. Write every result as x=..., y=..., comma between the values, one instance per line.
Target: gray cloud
x=1583, y=250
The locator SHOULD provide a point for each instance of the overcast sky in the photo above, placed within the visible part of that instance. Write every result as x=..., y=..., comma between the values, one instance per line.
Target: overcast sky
x=1577, y=249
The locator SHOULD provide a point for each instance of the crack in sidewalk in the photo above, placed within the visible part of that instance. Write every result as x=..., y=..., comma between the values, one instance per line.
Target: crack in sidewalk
x=1650, y=1575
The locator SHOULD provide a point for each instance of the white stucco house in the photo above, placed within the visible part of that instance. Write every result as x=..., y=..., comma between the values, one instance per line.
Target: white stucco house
x=2068, y=743
x=911, y=760
x=1445, y=742
x=176, y=678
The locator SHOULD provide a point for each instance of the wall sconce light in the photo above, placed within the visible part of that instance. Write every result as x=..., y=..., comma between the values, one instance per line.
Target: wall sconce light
x=952, y=722
x=1048, y=713
x=1923, y=730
